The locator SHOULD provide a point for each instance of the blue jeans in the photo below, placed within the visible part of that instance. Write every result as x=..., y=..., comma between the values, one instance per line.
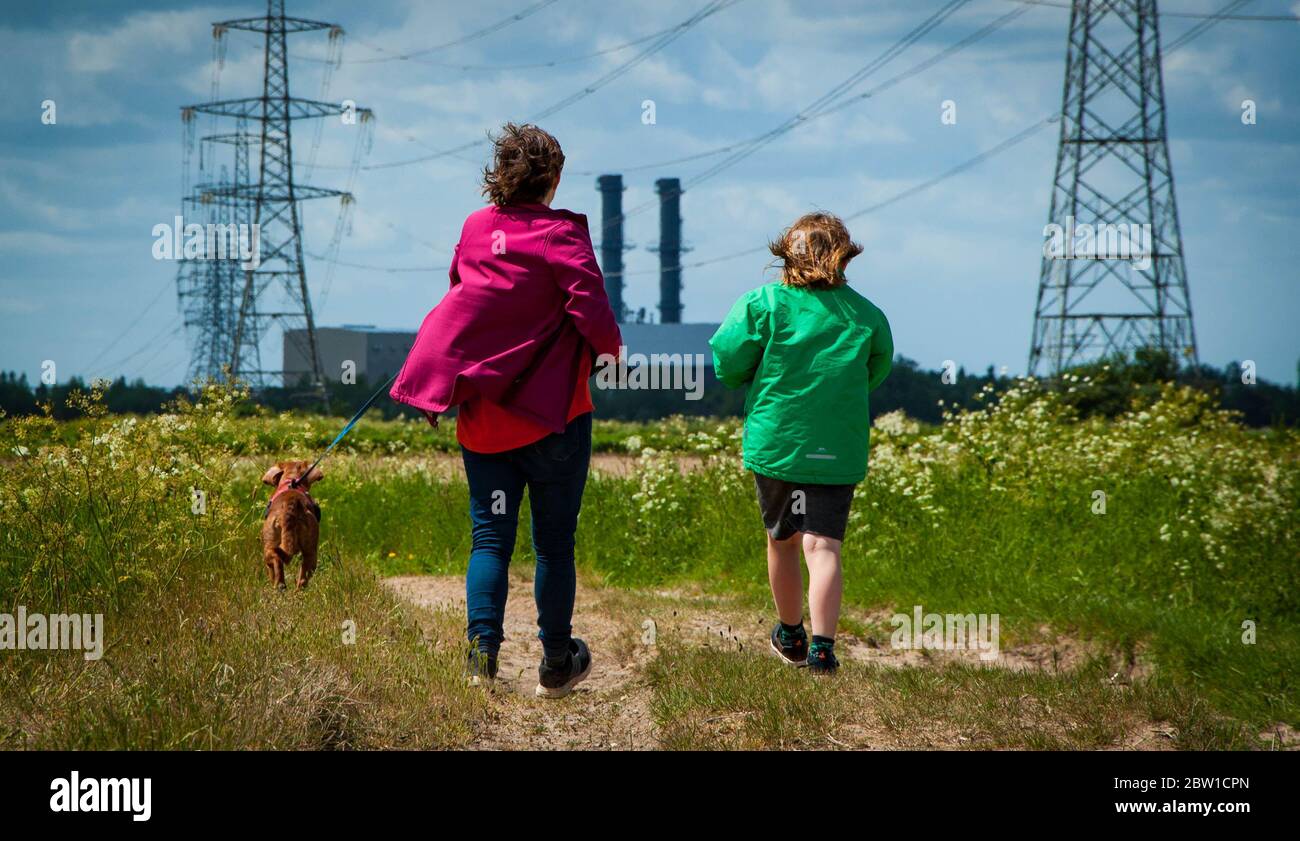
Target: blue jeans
x=554, y=470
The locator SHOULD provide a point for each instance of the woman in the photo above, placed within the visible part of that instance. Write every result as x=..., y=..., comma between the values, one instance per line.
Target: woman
x=512, y=345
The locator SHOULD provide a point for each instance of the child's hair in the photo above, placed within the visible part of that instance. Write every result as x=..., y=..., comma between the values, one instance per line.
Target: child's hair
x=525, y=163
x=814, y=251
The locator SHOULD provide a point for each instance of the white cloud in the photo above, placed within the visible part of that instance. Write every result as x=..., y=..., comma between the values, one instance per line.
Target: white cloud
x=137, y=37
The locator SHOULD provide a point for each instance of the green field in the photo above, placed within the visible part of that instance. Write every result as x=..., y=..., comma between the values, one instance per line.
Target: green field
x=995, y=511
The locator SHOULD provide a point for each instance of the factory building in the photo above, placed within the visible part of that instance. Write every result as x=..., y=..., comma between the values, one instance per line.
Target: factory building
x=372, y=354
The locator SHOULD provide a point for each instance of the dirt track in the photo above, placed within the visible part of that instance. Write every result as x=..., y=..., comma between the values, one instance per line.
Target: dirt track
x=611, y=709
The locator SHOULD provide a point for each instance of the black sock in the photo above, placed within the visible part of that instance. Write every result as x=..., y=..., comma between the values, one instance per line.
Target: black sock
x=557, y=659
x=792, y=629
x=827, y=643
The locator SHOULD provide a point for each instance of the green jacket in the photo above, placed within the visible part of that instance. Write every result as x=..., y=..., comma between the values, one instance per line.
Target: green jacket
x=810, y=358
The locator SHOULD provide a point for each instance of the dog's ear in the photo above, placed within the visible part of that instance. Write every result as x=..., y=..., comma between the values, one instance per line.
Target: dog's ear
x=272, y=476
x=315, y=475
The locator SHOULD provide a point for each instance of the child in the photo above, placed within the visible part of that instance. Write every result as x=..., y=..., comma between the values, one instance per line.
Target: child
x=811, y=349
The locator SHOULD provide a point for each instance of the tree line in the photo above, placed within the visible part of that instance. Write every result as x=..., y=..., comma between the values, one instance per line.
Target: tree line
x=922, y=394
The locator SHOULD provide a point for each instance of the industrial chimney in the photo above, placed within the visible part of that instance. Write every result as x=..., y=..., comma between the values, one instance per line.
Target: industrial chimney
x=611, y=239
x=670, y=250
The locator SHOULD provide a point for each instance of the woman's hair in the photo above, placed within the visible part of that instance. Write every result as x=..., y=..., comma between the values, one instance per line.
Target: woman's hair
x=525, y=163
x=814, y=251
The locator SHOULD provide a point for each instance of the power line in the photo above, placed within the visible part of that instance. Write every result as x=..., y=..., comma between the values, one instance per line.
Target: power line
x=528, y=65
x=960, y=168
x=1205, y=24
x=984, y=31
x=144, y=368
x=980, y=158
x=822, y=104
x=825, y=104
x=170, y=330
x=156, y=298
x=899, y=196
x=495, y=26
x=1215, y=16
x=1014, y=140
x=540, y=65
x=659, y=44
x=372, y=267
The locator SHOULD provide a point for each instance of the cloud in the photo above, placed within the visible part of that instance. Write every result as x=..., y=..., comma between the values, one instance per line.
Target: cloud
x=136, y=39
x=76, y=207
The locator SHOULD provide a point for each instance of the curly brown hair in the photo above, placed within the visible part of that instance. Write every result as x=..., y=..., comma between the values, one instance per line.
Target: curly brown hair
x=814, y=251
x=526, y=161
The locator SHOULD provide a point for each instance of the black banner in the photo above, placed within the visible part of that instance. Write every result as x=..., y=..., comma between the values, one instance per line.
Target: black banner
x=142, y=791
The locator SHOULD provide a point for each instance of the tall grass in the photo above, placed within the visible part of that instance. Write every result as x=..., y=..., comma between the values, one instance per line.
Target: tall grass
x=996, y=512
x=199, y=652
x=993, y=512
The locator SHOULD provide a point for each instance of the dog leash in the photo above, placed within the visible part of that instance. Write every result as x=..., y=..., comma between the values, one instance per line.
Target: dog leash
x=293, y=483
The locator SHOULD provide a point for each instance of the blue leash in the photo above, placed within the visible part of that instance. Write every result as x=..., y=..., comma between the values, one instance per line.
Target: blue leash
x=364, y=406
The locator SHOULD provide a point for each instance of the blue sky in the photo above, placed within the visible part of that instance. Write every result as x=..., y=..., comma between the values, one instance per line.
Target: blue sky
x=955, y=267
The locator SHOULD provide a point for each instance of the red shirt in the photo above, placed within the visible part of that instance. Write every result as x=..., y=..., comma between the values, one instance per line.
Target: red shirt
x=526, y=301
x=485, y=427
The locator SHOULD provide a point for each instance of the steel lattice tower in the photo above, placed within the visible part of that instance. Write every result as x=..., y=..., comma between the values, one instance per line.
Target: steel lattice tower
x=209, y=289
x=1112, y=169
x=277, y=290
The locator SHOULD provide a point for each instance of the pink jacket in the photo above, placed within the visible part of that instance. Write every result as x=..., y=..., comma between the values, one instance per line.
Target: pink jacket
x=527, y=299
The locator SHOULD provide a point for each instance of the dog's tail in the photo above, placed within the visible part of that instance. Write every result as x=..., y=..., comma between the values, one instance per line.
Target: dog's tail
x=289, y=530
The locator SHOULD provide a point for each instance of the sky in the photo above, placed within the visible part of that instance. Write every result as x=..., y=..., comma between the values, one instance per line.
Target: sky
x=954, y=266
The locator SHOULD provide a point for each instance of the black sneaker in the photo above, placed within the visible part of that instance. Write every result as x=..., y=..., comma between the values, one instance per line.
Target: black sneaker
x=558, y=680
x=480, y=667
x=791, y=647
x=821, y=661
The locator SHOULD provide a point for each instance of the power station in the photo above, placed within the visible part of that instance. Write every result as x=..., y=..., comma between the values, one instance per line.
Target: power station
x=1112, y=169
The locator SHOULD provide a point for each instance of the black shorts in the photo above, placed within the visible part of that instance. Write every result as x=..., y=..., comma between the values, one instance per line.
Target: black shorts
x=792, y=507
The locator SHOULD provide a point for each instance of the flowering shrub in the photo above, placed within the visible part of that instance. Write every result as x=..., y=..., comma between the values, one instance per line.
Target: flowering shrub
x=1214, y=483
x=126, y=504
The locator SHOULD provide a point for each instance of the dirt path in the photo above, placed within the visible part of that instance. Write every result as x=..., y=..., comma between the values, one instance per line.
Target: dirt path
x=611, y=709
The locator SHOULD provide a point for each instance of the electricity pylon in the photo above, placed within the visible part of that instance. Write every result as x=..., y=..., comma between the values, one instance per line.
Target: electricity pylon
x=1113, y=173
x=273, y=201
x=209, y=288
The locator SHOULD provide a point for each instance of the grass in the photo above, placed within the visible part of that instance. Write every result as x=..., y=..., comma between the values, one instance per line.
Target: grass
x=1029, y=562
x=746, y=701
x=994, y=512
x=221, y=661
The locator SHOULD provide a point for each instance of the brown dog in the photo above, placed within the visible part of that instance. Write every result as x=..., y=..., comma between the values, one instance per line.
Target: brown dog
x=292, y=521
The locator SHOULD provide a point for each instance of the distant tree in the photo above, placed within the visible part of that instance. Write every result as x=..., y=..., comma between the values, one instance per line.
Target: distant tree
x=1113, y=384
